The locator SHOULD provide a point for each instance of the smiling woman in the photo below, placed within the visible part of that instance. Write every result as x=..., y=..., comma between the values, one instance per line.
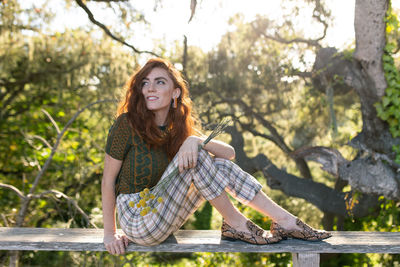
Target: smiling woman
x=162, y=82
x=152, y=137
x=158, y=90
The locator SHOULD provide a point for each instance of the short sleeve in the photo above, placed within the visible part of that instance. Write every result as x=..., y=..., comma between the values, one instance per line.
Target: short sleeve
x=119, y=138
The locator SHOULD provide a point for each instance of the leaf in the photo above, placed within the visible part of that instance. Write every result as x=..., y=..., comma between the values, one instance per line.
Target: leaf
x=396, y=101
x=389, y=28
x=385, y=101
x=379, y=110
x=75, y=144
x=390, y=47
x=42, y=203
x=394, y=122
x=71, y=157
x=392, y=83
x=397, y=114
x=384, y=116
x=389, y=91
x=386, y=57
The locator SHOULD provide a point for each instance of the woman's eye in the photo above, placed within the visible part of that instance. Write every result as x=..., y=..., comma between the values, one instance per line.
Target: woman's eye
x=160, y=82
x=144, y=83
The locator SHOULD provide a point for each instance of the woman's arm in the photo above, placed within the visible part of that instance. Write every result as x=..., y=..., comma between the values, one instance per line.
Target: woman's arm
x=219, y=149
x=188, y=152
x=114, y=243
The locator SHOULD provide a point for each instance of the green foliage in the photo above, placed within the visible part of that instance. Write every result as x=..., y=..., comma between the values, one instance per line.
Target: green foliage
x=57, y=73
x=388, y=108
x=203, y=217
x=384, y=220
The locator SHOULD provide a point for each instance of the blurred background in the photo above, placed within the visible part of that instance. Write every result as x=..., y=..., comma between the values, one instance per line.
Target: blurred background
x=63, y=65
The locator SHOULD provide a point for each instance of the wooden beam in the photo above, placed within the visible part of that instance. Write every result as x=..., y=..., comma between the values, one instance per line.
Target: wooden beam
x=73, y=239
x=305, y=259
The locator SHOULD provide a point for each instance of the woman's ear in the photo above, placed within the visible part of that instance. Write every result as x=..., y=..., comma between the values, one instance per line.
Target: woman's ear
x=176, y=93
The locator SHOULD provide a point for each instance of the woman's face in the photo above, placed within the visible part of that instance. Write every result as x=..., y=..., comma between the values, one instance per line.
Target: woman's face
x=158, y=91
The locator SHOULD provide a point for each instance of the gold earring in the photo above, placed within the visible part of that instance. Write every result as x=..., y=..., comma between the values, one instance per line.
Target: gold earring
x=175, y=105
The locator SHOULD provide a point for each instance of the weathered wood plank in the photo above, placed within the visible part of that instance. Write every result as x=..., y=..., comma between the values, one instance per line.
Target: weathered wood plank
x=195, y=241
x=305, y=259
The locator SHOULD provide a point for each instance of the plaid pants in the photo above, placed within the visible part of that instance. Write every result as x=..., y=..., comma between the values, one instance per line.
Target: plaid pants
x=183, y=196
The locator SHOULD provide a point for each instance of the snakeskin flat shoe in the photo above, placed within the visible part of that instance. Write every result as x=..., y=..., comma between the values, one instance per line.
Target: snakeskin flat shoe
x=256, y=236
x=307, y=232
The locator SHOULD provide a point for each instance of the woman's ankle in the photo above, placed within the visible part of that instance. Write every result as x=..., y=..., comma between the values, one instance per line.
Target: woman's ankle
x=239, y=224
x=288, y=222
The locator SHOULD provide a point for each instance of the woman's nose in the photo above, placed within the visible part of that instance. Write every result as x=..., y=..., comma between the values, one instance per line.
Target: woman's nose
x=152, y=87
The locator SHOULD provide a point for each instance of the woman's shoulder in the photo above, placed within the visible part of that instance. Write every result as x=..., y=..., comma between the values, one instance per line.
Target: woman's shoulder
x=122, y=117
x=122, y=120
x=123, y=123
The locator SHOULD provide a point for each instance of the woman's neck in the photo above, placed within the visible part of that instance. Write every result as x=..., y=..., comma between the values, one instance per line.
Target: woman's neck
x=160, y=118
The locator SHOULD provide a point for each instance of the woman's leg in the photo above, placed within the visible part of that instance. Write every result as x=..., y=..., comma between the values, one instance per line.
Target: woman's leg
x=182, y=196
x=229, y=212
x=208, y=180
x=268, y=207
x=240, y=180
x=261, y=203
x=211, y=182
x=285, y=224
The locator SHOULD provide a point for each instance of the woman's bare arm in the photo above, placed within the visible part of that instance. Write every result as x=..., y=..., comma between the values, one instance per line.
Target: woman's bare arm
x=188, y=152
x=114, y=243
x=220, y=149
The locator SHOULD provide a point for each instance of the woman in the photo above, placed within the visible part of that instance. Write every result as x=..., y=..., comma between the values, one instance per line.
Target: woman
x=155, y=133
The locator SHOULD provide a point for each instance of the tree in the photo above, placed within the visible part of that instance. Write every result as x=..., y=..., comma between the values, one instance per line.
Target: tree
x=247, y=79
x=46, y=77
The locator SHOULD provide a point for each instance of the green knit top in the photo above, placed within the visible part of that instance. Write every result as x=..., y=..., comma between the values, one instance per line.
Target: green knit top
x=142, y=164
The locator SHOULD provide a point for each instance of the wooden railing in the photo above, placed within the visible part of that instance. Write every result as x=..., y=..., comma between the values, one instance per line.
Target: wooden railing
x=304, y=253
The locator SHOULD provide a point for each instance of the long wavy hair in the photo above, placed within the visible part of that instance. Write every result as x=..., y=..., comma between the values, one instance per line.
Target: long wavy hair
x=180, y=120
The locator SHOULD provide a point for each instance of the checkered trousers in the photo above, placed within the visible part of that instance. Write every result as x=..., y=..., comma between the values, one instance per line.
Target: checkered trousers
x=183, y=195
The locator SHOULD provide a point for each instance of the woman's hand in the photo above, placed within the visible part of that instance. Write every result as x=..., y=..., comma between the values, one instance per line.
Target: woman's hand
x=188, y=153
x=115, y=243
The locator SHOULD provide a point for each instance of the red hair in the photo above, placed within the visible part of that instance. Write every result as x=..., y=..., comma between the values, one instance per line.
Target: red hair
x=180, y=120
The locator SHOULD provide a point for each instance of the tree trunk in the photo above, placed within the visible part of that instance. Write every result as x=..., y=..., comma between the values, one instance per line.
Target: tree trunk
x=374, y=170
x=370, y=31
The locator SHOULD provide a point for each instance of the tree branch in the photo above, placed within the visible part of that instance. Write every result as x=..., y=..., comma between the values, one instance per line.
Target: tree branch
x=325, y=198
x=59, y=136
x=4, y=220
x=237, y=142
x=70, y=200
x=184, y=56
x=318, y=12
x=51, y=119
x=280, y=39
x=193, y=4
x=329, y=158
x=43, y=140
x=107, y=31
x=366, y=174
x=14, y=189
x=276, y=138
